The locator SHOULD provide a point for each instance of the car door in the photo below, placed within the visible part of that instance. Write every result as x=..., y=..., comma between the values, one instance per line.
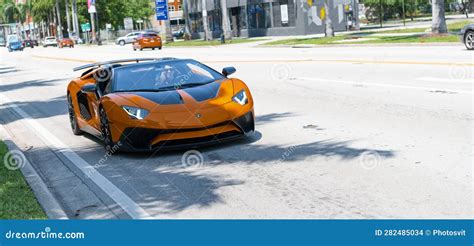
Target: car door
x=131, y=37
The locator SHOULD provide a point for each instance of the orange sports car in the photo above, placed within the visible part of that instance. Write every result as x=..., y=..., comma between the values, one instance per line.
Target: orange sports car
x=147, y=41
x=66, y=42
x=149, y=104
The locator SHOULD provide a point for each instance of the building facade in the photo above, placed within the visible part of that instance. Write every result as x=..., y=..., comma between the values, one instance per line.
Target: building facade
x=253, y=18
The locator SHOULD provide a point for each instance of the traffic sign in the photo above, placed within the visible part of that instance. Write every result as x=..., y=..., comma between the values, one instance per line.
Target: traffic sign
x=86, y=27
x=161, y=9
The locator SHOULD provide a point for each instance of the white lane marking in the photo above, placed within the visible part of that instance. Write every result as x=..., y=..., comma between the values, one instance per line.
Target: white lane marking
x=124, y=201
x=383, y=85
x=433, y=79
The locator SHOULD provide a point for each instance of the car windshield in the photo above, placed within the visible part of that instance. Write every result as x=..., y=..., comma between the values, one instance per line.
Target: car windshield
x=13, y=39
x=163, y=76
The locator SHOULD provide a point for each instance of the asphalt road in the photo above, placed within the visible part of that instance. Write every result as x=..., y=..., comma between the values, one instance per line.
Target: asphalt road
x=342, y=132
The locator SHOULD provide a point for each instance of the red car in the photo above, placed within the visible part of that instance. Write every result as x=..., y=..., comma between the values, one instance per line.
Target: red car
x=66, y=42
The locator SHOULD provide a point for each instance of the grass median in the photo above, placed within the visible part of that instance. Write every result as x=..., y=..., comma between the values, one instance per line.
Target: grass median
x=215, y=42
x=414, y=35
x=17, y=200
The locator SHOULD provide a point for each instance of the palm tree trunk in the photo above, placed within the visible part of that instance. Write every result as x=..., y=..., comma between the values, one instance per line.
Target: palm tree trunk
x=75, y=18
x=439, y=20
x=68, y=18
x=329, y=28
x=205, y=22
x=58, y=16
x=225, y=21
x=187, y=20
x=169, y=33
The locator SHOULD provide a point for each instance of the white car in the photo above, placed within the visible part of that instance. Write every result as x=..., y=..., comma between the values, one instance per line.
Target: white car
x=50, y=41
x=129, y=38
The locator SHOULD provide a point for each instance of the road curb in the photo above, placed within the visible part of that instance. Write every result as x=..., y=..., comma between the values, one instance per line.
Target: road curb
x=46, y=199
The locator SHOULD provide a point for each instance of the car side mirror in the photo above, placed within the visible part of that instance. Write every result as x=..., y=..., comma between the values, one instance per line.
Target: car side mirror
x=89, y=88
x=228, y=71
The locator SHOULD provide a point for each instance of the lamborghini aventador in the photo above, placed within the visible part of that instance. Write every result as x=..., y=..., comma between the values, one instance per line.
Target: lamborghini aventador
x=151, y=104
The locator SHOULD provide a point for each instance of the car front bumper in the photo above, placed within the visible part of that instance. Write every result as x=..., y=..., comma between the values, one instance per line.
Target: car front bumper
x=149, y=139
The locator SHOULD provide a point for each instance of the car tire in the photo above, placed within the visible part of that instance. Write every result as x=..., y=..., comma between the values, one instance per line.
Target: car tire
x=159, y=48
x=73, y=118
x=105, y=131
x=469, y=40
x=121, y=42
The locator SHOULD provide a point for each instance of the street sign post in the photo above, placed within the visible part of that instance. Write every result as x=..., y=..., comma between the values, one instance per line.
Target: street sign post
x=128, y=23
x=86, y=27
x=161, y=9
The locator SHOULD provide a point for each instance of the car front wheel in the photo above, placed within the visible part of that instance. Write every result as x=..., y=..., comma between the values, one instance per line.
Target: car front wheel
x=105, y=130
x=122, y=43
x=469, y=40
x=72, y=117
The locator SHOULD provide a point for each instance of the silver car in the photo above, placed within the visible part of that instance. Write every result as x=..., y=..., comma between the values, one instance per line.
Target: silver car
x=467, y=36
x=127, y=39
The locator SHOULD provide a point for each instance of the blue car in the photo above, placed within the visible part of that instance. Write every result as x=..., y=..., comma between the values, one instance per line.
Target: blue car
x=14, y=43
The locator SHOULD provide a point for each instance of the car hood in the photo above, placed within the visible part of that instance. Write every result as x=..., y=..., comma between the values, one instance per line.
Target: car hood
x=208, y=95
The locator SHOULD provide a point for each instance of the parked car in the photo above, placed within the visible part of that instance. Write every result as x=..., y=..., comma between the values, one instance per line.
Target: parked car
x=35, y=42
x=127, y=39
x=467, y=36
x=14, y=43
x=2, y=42
x=28, y=43
x=147, y=41
x=66, y=42
x=178, y=33
x=50, y=41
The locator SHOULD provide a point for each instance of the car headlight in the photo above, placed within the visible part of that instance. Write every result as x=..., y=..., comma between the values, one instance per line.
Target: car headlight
x=240, y=98
x=136, y=113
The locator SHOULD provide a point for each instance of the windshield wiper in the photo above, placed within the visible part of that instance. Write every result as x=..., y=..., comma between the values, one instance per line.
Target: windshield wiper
x=188, y=85
x=149, y=90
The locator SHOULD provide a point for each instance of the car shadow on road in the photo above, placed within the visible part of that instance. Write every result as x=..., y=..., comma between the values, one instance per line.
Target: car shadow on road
x=170, y=182
x=29, y=83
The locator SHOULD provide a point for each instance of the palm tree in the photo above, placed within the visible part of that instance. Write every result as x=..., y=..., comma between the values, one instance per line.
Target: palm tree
x=205, y=22
x=439, y=20
x=58, y=16
x=225, y=21
x=75, y=18
x=329, y=28
x=169, y=33
x=68, y=18
x=187, y=20
x=11, y=11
